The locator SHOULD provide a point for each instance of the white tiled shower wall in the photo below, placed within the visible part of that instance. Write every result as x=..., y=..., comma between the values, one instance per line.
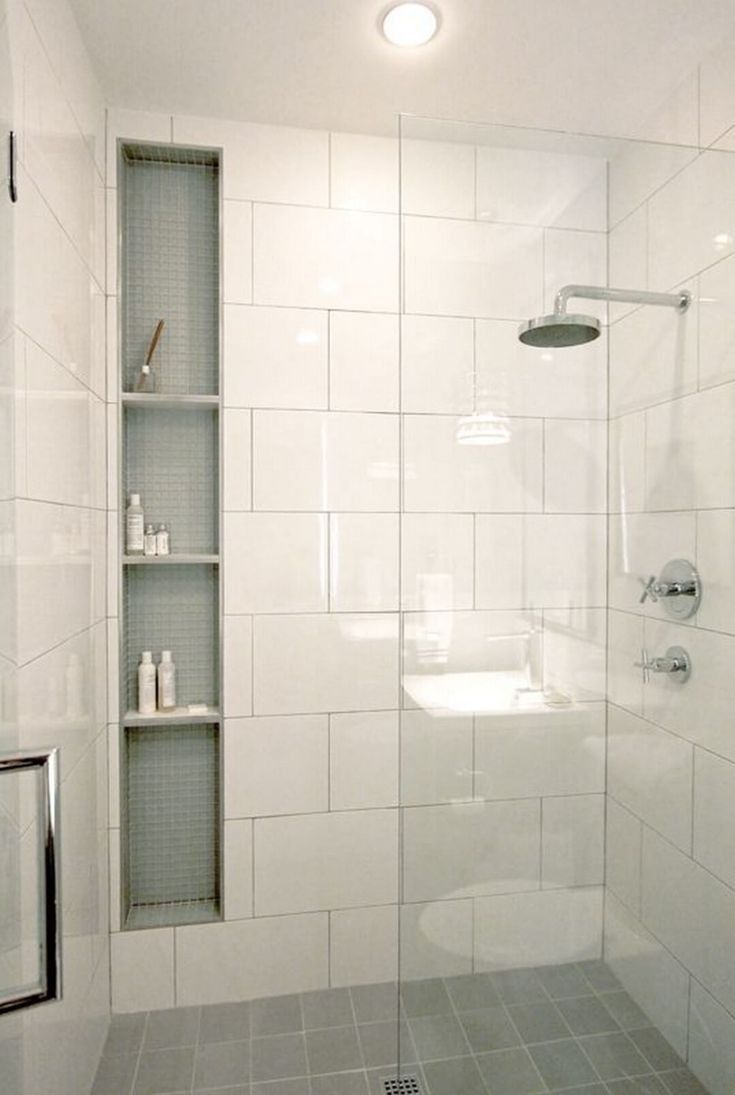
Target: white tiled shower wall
x=53, y=514
x=364, y=548
x=670, y=911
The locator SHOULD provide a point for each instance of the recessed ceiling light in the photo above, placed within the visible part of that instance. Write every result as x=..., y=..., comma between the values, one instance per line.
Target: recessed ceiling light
x=410, y=24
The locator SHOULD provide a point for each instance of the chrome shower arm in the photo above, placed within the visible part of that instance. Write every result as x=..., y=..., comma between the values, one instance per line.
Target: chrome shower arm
x=680, y=301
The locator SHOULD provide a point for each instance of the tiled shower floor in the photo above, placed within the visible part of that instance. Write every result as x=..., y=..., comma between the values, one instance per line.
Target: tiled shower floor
x=560, y=1028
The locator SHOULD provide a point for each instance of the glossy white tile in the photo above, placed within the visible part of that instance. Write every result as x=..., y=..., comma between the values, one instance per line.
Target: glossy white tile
x=437, y=178
x=436, y=939
x=575, y=652
x=711, y=1042
x=275, y=562
x=437, y=560
x=237, y=253
x=623, y=855
x=276, y=766
x=237, y=665
x=142, y=970
x=437, y=365
x=275, y=357
x=574, y=258
x=715, y=548
x=436, y=758
x=572, y=841
x=575, y=465
x=238, y=869
x=363, y=760
x=363, y=946
x=237, y=459
x=714, y=812
x=363, y=361
x=626, y=459
x=512, y=931
x=716, y=324
x=364, y=172
x=363, y=562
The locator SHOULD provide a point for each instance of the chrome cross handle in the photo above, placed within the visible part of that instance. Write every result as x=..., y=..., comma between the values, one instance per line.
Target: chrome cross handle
x=675, y=662
x=655, y=588
x=679, y=588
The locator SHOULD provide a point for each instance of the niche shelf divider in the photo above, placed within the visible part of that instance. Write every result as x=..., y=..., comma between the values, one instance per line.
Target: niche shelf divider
x=170, y=453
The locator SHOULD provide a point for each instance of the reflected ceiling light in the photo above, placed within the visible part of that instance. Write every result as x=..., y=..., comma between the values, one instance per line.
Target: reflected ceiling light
x=410, y=24
x=483, y=429
x=722, y=240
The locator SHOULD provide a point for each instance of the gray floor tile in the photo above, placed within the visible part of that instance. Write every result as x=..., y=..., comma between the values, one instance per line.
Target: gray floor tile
x=563, y=981
x=538, y=1022
x=657, y=1051
x=586, y=1089
x=587, y=1015
x=125, y=1034
x=375, y=1002
x=384, y=1044
x=239, y=1089
x=682, y=1082
x=519, y=987
x=329, y=1008
x=115, y=1075
x=489, y=1029
x=334, y=1050
x=438, y=1036
x=278, y=1057
x=425, y=998
x=221, y=1063
x=562, y=1064
x=510, y=1072
x=460, y=1075
x=624, y=1010
x=225, y=1023
x=173, y=1027
x=282, y=1087
x=165, y=1070
x=340, y=1083
x=278, y=1015
x=472, y=991
x=637, y=1085
x=599, y=975
x=614, y=1056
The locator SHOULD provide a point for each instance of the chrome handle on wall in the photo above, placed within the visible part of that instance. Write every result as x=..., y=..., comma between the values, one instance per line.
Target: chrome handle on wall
x=46, y=763
x=674, y=662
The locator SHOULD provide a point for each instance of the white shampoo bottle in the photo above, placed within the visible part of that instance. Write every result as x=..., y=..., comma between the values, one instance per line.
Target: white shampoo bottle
x=134, y=527
x=146, y=684
x=166, y=682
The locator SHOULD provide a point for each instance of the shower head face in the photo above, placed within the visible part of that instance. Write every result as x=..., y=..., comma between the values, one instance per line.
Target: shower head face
x=559, y=330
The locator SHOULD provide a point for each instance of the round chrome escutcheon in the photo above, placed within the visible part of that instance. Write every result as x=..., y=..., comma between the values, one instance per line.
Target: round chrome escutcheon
x=685, y=604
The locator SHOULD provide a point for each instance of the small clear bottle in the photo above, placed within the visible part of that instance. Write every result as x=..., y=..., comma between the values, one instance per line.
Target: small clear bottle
x=150, y=541
x=166, y=682
x=134, y=527
x=163, y=541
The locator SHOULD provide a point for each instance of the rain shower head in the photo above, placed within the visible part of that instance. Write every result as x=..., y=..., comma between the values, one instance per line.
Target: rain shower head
x=562, y=329
x=559, y=330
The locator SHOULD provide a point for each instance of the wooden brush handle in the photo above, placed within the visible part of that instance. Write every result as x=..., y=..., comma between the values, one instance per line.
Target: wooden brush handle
x=154, y=341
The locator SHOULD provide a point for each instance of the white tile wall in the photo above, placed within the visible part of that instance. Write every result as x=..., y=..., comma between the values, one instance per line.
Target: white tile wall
x=436, y=758
x=363, y=361
x=363, y=946
x=276, y=766
x=436, y=939
x=513, y=930
x=260, y=548
x=363, y=562
x=364, y=172
x=573, y=841
x=363, y=760
x=275, y=357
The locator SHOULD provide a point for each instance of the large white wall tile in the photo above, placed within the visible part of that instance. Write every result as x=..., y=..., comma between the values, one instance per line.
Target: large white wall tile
x=649, y=771
x=444, y=476
x=264, y=162
x=626, y=463
x=237, y=253
x=142, y=970
x=275, y=562
x=524, y=186
x=364, y=946
x=325, y=663
x=363, y=361
x=623, y=855
x=575, y=652
x=437, y=560
x=326, y=861
x=436, y=758
x=692, y=913
x=238, y=869
x=573, y=841
x=715, y=552
x=717, y=91
x=276, y=766
x=540, y=560
x=436, y=939
x=461, y=268
x=549, y=752
x=656, y=981
x=653, y=357
x=698, y=203
x=625, y=644
x=716, y=324
x=628, y=257
x=276, y=955
x=513, y=930
x=710, y=688
x=237, y=459
x=575, y=465
x=237, y=657
x=363, y=760
x=437, y=365
x=469, y=849
x=711, y=1042
x=275, y=357
x=321, y=258
x=637, y=169
x=714, y=814
x=310, y=461
x=364, y=172
x=437, y=178
x=522, y=380
x=363, y=562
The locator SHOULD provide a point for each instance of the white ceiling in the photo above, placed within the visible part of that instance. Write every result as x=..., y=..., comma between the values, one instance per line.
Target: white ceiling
x=588, y=65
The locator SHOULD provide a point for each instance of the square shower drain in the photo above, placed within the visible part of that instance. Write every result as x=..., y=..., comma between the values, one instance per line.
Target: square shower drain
x=403, y=1085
